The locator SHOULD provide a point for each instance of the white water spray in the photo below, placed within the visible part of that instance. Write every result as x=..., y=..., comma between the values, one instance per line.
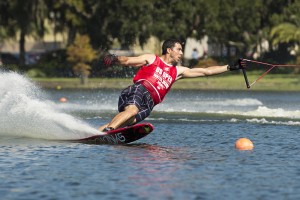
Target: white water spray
x=24, y=113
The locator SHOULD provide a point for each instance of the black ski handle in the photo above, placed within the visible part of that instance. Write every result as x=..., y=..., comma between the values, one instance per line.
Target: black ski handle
x=246, y=78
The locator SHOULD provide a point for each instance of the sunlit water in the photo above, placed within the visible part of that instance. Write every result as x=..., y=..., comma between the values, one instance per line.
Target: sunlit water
x=189, y=155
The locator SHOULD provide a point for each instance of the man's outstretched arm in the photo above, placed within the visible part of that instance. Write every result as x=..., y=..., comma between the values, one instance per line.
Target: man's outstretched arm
x=184, y=72
x=137, y=61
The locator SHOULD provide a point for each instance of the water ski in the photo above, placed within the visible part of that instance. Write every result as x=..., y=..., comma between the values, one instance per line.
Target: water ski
x=121, y=136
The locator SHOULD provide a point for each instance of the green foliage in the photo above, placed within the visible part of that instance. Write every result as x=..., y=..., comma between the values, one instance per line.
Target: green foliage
x=244, y=24
x=288, y=30
x=24, y=18
x=35, y=73
x=181, y=20
x=69, y=16
x=240, y=23
x=54, y=64
x=285, y=33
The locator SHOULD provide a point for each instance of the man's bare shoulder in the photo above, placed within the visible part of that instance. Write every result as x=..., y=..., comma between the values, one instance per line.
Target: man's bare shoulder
x=148, y=57
x=181, y=69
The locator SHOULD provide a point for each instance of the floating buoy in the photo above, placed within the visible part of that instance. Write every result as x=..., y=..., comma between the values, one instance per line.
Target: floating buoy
x=63, y=100
x=244, y=144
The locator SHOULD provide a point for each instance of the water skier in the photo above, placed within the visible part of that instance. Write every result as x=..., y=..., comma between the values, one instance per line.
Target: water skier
x=153, y=81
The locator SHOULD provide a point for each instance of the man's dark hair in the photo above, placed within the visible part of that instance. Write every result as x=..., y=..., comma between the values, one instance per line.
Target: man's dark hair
x=169, y=43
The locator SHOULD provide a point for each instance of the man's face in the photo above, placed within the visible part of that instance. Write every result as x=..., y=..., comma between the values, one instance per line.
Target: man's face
x=176, y=53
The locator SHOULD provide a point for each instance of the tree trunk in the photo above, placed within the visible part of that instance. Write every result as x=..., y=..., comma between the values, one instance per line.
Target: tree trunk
x=71, y=35
x=22, y=47
x=83, y=79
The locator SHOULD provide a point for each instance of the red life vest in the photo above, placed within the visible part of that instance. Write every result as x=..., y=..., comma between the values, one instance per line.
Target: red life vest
x=157, y=78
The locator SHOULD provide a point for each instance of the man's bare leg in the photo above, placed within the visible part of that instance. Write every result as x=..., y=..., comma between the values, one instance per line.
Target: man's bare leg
x=127, y=117
x=102, y=127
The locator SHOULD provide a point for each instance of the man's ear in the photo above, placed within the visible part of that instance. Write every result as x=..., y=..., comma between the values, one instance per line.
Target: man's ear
x=169, y=50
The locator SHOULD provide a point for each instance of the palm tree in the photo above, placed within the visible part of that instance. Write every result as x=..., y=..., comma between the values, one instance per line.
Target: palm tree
x=285, y=33
x=288, y=31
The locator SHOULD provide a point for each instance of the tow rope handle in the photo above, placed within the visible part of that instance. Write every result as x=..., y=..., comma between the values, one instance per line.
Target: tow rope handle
x=246, y=78
x=244, y=73
x=242, y=63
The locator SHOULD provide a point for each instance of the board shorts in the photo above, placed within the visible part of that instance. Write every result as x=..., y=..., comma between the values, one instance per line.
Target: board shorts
x=137, y=95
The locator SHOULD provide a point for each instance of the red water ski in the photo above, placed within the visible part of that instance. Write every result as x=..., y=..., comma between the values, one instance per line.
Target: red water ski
x=121, y=136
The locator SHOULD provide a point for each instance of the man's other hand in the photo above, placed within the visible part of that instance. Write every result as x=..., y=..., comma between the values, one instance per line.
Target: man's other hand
x=110, y=59
x=239, y=64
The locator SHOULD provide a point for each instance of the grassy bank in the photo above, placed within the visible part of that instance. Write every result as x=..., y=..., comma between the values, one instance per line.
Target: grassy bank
x=279, y=82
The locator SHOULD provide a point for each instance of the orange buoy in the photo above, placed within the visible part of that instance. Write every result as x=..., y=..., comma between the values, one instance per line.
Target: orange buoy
x=63, y=100
x=244, y=144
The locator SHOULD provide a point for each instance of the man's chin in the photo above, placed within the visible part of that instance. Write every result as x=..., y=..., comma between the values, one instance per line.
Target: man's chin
x=178, y=62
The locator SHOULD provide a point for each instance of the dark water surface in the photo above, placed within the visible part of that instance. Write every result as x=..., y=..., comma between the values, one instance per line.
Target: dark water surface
x=189, y=155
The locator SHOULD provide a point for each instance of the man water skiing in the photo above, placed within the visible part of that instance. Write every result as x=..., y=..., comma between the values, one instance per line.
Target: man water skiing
x=153, y=81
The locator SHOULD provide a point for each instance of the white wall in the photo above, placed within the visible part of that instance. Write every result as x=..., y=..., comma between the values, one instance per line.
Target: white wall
x=200, y=45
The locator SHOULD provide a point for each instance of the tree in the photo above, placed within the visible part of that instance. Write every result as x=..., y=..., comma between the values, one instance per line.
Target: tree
x=70, y=16
x=285, y=33
x=288, y=31
x=124, y=20
x=27, y=18
x=4, y=20
x=80, y=53
x=181, y=20
x=244, y=25
x=240, y=23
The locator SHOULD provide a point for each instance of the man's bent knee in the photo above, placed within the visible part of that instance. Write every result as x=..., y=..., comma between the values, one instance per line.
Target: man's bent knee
x=133, y=109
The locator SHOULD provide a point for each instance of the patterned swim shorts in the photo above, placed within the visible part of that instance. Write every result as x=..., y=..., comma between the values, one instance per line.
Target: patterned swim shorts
x=137, y=95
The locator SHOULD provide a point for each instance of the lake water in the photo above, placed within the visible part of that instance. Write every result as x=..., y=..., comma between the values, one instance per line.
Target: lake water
x=189, y=155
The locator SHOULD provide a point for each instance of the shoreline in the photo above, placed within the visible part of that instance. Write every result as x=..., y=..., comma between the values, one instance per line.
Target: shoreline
x=274, y=82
